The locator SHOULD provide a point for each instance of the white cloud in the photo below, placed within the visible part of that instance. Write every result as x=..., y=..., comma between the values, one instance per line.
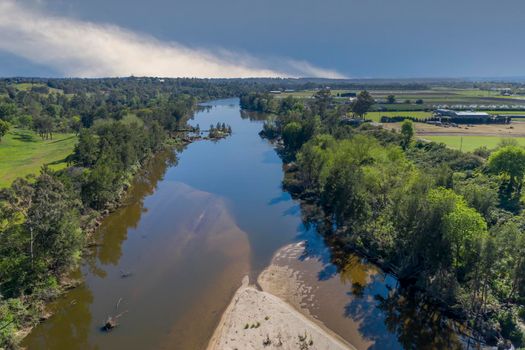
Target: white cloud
x=86, y=49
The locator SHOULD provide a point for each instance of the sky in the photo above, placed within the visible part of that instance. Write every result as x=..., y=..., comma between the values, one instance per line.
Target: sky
x=270, y=38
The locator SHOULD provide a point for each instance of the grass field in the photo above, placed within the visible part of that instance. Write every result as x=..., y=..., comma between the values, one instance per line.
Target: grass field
x=376, y=116
x=470, y=143
x=28, y=86
x=22, y=152
x=432, y=97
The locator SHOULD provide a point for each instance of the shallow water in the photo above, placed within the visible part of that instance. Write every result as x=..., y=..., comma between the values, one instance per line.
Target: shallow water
x=168, y=263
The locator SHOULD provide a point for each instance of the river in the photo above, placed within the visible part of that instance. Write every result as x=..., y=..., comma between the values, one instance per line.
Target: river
x=167, y=263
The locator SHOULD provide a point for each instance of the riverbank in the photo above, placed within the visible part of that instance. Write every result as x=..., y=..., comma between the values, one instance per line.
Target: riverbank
x=38, y=308
x=257, y=319
x=317, y=206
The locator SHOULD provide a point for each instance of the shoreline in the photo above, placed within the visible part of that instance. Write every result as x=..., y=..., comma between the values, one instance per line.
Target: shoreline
x=67, y=282
x=94, y=220
x=257, y=319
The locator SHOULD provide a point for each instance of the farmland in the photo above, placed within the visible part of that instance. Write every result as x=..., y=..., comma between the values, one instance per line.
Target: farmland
x=433, y=97
x=470, y=143
x=468, y=138
x=376, y=116
x=22, y=152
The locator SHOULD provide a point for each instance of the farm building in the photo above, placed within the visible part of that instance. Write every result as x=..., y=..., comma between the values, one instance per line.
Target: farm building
x=455, y=114
x=469, y=117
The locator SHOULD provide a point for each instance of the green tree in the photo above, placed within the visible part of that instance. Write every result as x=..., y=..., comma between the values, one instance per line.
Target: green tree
x=344, y=195
x=462, y=228
x=480, y=192
x=7, y=111
x=75, y=124
x=509, y=161
x=362, y=103
x=53, y=224
x=313, y=159
x=4, y=128
x=102, y=183
x=322, y=101
x=44, y=126
x=292, y=135
x=86, y=150
x=407, y=132
x=391, y=99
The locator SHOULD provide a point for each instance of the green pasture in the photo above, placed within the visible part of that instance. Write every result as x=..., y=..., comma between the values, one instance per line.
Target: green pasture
x=22, y=152
x=470, y=143
x=376, y=116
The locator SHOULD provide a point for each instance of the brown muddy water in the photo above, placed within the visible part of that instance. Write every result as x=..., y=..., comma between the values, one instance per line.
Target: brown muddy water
x=168, y=263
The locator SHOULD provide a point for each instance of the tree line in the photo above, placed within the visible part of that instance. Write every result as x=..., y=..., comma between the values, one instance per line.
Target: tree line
x=445, y=222
x=44, y=219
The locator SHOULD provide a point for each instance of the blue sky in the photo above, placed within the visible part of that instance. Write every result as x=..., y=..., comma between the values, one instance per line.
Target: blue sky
x=336, y=38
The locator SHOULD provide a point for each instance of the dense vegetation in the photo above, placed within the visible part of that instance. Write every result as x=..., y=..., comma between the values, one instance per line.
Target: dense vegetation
x=379, y=192
x=444, y=222
x=45, y=220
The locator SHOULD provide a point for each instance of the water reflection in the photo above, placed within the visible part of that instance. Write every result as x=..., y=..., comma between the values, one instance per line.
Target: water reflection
x=110, y=236
x=61, y=332
x=189, y=233
x=187, y=236
x=256, y=116
x=417, y=324
x=386, y=315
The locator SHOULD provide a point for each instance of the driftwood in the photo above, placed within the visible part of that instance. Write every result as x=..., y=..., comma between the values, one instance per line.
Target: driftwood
x=111, y=322
x=125, y=274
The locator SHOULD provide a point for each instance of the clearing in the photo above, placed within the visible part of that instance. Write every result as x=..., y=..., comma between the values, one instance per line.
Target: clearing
x=22, y=152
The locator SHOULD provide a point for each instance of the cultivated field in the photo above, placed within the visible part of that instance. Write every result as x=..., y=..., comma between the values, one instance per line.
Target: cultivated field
x=22, y=152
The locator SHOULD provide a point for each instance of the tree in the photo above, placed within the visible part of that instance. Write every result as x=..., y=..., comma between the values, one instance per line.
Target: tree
x=4, y=128
x=362, y=104
x=419, y=101
x=509, y=161
x=391, y=99
x=463, y=227
x=53, y=224
x=292, y=135
x=86, y=150
x=344, y=195
x=313, y=157
x=44, y=126
x=25, y=121
x=322, y=101
x=101, y=184
x=480, y=192
x=7, y=111
x=75, y=124
x=407, y=131
x=87, y=119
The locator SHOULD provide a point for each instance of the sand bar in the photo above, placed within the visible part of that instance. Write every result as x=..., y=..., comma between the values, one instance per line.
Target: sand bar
x=259, y=320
